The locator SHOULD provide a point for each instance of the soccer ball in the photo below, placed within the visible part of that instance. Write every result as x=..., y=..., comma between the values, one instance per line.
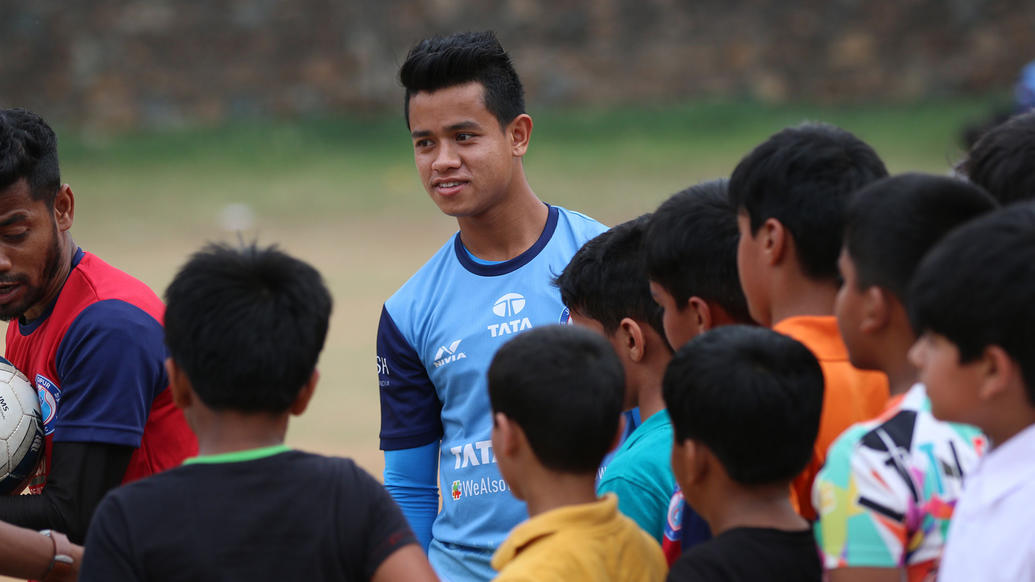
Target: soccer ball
x=21, y=429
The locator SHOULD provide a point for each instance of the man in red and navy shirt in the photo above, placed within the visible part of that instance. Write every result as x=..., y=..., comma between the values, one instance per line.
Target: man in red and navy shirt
x=87, y=335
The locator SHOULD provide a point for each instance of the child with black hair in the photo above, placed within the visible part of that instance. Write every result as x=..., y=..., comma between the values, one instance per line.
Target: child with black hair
x=877, y=519
x=1001, y=161
x=605, y=288
x=244, y=328
x=556, y=393
x=745, y=404
x=690, y=249
x=790, y=193
x=971, y=303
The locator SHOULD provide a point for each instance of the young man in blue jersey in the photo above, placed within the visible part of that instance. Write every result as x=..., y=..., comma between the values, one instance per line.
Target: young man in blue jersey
x=464, y=108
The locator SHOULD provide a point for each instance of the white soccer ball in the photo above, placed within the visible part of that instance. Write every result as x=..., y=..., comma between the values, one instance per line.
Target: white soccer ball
x=21, y=429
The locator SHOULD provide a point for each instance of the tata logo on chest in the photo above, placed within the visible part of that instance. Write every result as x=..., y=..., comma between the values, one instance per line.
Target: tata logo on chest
x=509, y=306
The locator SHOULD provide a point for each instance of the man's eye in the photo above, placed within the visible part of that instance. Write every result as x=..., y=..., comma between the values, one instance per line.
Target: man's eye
x=464, y=136
x=422, y=143
x=15, y=236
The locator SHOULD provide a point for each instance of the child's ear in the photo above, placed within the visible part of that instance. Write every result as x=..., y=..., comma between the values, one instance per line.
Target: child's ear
x=510, y=435
x=702, y=314
x=182, y=392
x=876, y=309
x=305, y=394
x=688, y=463
x=775, y=240
x=630, y=339
x=1000, y=373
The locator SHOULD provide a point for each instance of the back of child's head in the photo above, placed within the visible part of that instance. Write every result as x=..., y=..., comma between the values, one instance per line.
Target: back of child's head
x=892, y=223
x=975, y=288
x=802, y=177
x=606, y=279
x=564, y=386
x=752, y=396
x=1001, y=161
x=691, y=248
x=246, y=324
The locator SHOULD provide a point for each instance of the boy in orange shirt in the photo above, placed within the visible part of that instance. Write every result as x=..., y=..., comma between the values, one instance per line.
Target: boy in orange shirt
x=790, y=193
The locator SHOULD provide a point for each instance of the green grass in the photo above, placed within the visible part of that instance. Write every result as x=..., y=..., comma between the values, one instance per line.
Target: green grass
x=609, y=161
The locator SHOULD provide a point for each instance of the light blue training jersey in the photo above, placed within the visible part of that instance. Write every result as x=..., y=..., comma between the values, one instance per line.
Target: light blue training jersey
x=437, y=336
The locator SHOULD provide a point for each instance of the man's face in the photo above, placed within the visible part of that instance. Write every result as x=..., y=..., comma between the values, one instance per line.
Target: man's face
x=749, y=264
x=951, y=385
x=30, y=253
x=679, y=321
x=848, y=307
x=465, y=160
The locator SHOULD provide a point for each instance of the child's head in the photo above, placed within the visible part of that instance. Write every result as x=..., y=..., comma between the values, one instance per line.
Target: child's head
x=1002, y=160
x=889, y=227
x=246, y=326
x=556, y=393
x=691, y=253
x=745, y=398
x=605, y=288
x=790, y=193
x=971, y=303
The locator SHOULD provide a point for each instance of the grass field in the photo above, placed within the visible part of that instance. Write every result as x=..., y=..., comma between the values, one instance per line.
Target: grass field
x=343, y=194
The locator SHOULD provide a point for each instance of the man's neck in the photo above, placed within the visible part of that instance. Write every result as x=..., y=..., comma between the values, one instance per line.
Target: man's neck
x=66, y=253
x=506, y=230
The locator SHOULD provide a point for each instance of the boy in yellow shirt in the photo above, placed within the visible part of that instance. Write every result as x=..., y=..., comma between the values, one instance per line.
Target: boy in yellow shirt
x=556, y=395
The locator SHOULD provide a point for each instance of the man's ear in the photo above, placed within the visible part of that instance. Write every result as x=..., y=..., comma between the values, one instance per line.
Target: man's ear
x=775, y=240
x=64, y=207
x=182, y=391
x=520, y=132
x=689, y=460
x=702, y=314
x=630, y=339
x=876, y=309
x=1000, y=373
x=305, y=394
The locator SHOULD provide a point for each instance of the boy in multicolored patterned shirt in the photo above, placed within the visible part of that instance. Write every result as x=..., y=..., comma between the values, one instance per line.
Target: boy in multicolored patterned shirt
x=887, y=491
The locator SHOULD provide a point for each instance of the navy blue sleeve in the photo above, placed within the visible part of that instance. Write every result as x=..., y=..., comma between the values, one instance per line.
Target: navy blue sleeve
x=411, y=412
x=111, y=365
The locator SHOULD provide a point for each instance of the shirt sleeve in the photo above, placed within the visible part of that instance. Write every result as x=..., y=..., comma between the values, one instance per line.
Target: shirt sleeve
x=111, y=365
x=411, y=412
x=384, y=529
x=411, y=479
x=861, y=514
x=108, y=553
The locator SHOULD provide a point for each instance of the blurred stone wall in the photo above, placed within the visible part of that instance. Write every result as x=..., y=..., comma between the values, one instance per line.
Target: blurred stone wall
x=159, y=63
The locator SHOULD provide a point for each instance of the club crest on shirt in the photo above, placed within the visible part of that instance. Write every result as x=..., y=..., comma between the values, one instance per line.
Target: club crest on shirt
x=565, y=317
x=49, y=395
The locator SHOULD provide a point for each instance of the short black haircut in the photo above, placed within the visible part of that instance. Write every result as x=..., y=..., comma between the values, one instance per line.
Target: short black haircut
x=752, y=396
x=606, y=279
x=442, y=62
x=802, y=176
x=247, y=326
x=1002, y=160
x=975, y=288
x=28, y=149
x=691, y=248
x=564, y=386
x=892, y=223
